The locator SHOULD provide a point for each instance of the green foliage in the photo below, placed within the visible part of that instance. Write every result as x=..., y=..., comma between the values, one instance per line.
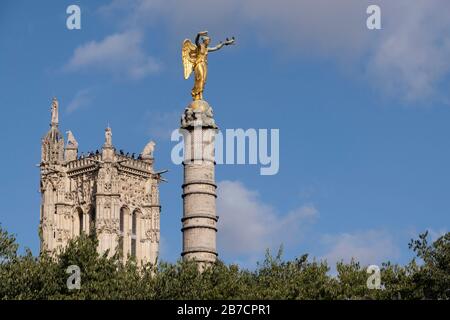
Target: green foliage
x=8, y=246
x=434, y=276
x=103, y=277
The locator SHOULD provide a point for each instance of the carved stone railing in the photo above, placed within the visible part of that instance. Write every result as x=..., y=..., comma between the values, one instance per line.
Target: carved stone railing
x=137, y=164
x=127, y=163
x=83, y=162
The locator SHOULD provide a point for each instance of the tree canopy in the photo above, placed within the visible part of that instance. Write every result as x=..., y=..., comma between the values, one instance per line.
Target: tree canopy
x=25, y=276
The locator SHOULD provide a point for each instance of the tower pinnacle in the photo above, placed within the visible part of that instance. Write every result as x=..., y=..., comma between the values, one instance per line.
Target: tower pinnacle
x=52, y=150
x=54, y=109
x=108, y=137
x=108, y=148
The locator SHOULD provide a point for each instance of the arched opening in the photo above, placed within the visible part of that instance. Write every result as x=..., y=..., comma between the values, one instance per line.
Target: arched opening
x=124, y=213
x=92, y=219
x=78, y=222
x=133, y=233
x=80, y=217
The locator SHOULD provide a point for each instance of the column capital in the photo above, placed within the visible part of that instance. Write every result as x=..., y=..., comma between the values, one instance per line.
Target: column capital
x=198, y=114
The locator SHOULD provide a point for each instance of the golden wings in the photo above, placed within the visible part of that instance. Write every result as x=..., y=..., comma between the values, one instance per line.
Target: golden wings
x=188, y=55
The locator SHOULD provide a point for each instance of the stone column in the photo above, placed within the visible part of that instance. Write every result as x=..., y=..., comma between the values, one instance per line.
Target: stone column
x=199, y=189
x=107, y=198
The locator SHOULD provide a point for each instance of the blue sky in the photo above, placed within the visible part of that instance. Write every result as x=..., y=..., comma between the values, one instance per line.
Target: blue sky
x=363, y=114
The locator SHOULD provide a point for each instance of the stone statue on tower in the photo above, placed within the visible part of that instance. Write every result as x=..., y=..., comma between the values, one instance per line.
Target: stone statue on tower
x=108, y=137
x=54, y=110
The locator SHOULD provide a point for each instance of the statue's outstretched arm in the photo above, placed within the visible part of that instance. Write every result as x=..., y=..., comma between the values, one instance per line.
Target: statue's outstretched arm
x=221, y=44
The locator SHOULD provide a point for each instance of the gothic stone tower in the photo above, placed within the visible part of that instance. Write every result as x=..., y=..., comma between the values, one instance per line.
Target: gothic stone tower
x=110, y=194
x=199, y=189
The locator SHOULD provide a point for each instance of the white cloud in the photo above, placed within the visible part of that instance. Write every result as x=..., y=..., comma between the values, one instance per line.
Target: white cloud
x=368, y=247
x=81, y=99
x=248, y=226
x=120, y=54
x=411, y=56
x=407, y=58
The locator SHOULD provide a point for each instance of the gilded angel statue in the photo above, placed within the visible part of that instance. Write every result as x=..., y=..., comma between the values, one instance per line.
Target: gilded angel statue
x=194, y=58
